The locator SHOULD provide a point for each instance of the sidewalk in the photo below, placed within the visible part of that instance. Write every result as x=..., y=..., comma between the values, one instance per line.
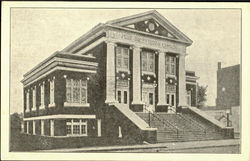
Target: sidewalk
x=166, y=146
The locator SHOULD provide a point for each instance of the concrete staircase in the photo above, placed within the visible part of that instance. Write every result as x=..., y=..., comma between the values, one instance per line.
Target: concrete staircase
x=181, y=127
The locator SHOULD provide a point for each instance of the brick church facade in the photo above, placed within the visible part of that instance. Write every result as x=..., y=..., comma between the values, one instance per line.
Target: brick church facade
x=106, y=83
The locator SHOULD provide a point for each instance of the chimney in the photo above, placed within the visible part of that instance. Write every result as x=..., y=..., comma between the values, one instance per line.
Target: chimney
x=219, y=65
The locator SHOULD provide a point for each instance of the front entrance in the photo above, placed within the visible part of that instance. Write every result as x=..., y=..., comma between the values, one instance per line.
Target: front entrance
x=148, y=98
x=171, y=102
x=123, y=96
x=122, y=92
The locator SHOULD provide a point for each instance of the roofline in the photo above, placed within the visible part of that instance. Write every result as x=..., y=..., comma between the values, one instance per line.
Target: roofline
x=129, y=17
x=158, y=14
x=50, y=57
x=109, y=23
x=84, y=36
x=232, y=66
x=148, y=34
x=150, y=12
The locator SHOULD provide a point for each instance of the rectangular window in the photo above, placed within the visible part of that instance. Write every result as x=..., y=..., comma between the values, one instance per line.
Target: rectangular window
x=83, y=91
x=151, y=99
x=122, y=58
x=76, y=91
x=125, y=97
x=170, y=65
x=68, y=129
x=76, y=127
x=119, y=96
x=68, y=90
x=84, y=129
x=148, y=61
x=52, y=91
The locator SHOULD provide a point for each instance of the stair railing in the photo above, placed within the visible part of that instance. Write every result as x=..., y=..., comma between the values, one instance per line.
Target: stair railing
x=188, y=119
x=164, y=122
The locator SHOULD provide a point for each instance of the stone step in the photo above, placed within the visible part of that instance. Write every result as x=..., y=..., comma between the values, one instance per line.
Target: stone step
x=189, y=129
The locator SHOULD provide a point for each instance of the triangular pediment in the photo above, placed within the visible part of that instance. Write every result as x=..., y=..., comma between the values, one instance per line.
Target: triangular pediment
x=151, y=22
x=151, y=26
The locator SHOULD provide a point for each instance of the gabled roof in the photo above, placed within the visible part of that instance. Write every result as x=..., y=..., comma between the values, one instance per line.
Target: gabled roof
x=153, y=14
x=122, y=22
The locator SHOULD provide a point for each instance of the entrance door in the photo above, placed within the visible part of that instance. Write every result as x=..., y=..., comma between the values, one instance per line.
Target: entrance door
x=149, y=99
x=122, y=96
x=188, y=97
x=171, y=101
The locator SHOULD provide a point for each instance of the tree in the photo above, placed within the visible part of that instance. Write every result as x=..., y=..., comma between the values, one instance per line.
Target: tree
x=201, y=96
x=15, y=131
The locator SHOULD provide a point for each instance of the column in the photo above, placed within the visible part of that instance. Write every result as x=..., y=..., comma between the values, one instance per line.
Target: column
x=52, y=92
x=161, y=80
x=51, y=127
x=137, y=76
x=42, y=95
x=42, y=127
x=28, y=101
x=34, y=127
x=99, y=128
x=34, y=99
x=27, y=122
x=182, y=82
x=22, y=127
x=110, y=73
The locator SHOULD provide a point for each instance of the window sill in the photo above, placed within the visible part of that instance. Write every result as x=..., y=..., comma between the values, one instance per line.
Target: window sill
x=170, y=76
x=148, y=73
x=123, y=70
x=66, y=104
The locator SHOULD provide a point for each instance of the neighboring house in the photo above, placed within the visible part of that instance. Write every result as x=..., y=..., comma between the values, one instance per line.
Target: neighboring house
x=228, y=97
x=228, y=93
x=99, y=84
x=228, y=86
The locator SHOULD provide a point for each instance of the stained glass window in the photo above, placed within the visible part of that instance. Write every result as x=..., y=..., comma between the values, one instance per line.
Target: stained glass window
x=84, y=92
x=68, y=90
x=122, y=57
x=144, y=61
x=76, y=91
x=170, y=65
x=148, y=61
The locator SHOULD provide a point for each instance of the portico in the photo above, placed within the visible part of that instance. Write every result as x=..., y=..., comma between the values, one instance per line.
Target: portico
x=154, y=61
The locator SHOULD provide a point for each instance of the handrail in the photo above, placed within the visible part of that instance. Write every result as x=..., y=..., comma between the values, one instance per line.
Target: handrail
x=163, y=121
x=191, y=120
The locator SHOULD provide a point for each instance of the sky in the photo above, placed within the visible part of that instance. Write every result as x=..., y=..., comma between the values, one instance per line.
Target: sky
x=38, y=33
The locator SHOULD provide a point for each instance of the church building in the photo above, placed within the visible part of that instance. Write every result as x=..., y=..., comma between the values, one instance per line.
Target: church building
x=124, y=79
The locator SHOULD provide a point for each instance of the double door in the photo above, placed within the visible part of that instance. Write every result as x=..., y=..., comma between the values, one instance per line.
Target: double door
x=122, y=96
x=148, y=97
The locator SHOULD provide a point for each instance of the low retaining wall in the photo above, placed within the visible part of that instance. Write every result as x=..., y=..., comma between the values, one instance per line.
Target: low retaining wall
x=37, y=142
